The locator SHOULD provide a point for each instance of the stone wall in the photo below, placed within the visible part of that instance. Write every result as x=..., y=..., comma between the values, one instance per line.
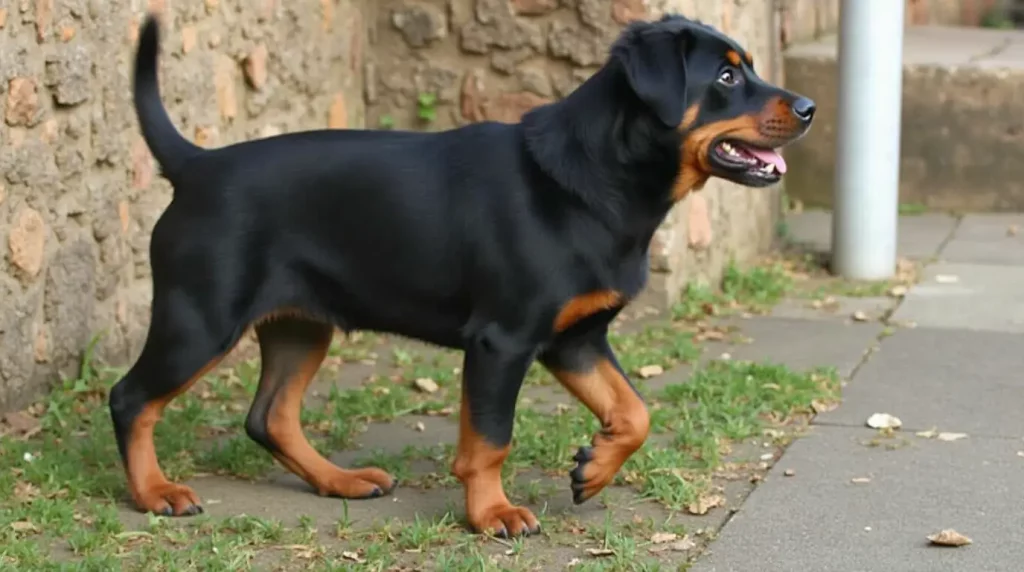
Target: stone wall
x=78, y=191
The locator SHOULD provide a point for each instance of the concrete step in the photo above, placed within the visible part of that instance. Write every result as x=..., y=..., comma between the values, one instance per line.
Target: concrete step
x=963, y=119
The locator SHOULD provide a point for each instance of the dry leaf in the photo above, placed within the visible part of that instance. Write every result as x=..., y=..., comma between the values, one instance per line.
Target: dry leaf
x=23, y=526
x=859, y=316
x=681, y=545
x=573, y=562
x=649, y=371
x=705, y=503
x=820, y=406
x=21, y=425
x=946, y=279
x=352, y=556
x=884, y=421
x=426, y=385
x=949, y=537
x=951, y=436
x=860, y=480
x=598, y=552
x=929, y=434
x=25, y=491
x=663, y=537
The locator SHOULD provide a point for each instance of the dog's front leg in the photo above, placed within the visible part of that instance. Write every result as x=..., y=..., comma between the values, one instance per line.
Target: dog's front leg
x=495, y=365
x=587, y=367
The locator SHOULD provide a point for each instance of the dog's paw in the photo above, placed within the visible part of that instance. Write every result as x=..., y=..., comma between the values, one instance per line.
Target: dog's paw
x=169, y=499
x=506, y=521
x=590, y=474
x=365, y=483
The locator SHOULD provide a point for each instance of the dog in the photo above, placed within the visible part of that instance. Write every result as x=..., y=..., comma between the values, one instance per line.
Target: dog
x=509, y=242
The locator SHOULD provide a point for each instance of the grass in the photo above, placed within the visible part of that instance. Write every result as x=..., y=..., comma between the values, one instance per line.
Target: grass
x=62, y=489
x=755, y=290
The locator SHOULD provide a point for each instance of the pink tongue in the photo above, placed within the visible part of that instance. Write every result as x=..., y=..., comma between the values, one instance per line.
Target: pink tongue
x=770, y=157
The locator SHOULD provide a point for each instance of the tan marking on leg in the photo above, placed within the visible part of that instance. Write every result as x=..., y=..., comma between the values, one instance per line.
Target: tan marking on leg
x=478, y=466
x=624, y=419
x=150, y=489
x=296, y=453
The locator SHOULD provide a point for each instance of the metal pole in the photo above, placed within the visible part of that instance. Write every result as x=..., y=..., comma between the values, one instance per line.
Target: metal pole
x=864, y=223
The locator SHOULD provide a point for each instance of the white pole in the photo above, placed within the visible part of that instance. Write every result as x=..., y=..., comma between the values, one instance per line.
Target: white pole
x=864, y=223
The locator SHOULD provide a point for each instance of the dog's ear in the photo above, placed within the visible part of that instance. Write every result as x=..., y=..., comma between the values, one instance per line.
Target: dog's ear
x=656, y=70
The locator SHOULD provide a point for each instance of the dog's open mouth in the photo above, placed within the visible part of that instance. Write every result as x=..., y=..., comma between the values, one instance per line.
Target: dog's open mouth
x=748, y=164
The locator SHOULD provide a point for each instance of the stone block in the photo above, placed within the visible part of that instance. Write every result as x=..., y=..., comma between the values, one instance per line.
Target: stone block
x=961, y=89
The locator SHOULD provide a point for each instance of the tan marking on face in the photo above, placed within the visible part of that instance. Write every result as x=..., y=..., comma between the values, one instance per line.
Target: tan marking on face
x=733, y=57
x=749, y=58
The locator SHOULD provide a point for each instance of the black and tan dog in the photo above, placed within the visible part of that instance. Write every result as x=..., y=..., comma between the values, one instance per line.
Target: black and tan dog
x=513, y=243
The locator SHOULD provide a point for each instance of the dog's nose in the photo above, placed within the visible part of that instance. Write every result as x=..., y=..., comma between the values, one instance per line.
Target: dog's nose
x=804, y=108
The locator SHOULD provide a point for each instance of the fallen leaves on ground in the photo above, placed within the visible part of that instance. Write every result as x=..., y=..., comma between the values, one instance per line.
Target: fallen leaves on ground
x=884, y=421
x=600, y=552
x=20, y=425
x=949, y=537
x=649, y=371
x=426, y=385
x=705, y=503
x=665, y=541
x=941, y=435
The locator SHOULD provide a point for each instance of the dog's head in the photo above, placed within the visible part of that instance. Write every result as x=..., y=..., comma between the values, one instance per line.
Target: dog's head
x=702, y=83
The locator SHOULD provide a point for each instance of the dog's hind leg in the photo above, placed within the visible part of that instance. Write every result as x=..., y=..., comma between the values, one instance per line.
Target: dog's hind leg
x=291, y=351
x=179, y=350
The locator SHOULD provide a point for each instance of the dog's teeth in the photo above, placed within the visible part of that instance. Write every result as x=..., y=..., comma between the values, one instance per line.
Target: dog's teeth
x=769, y=168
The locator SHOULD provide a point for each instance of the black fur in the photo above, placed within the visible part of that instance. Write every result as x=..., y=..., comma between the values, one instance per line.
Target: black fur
x=472, y=238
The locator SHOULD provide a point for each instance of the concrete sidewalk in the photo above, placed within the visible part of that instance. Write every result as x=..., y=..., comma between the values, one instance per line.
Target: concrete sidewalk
x=845, y=498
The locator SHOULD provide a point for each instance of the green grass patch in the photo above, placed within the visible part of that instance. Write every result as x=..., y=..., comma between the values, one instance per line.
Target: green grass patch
x=754, y=289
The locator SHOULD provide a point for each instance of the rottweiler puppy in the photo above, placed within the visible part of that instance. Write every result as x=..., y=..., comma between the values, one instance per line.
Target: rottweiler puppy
x=510, y=242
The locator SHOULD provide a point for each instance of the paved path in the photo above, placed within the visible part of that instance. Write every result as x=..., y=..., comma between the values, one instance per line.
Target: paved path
x=859, y=502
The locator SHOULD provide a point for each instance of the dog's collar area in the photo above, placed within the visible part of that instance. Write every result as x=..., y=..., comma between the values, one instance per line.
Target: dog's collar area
x=755, y=161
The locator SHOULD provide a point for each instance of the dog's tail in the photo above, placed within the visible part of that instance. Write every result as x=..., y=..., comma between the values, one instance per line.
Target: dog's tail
x=167, y=144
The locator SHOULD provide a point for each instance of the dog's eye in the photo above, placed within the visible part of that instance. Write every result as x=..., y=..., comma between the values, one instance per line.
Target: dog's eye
x=727, y=77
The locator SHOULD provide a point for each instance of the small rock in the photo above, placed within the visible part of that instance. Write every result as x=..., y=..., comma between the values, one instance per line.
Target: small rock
x=337, y=115
x=788, y=472
x=256, y=67
x=947, y=279
x=859, y=316
x=625, y=11
x=420, y=23
x=420, y=427
x=27, y=241
x=860, y=480
x=426, y=385
x=534, y=7
x=189, y=37
x=22, y=102
x=949, y=537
